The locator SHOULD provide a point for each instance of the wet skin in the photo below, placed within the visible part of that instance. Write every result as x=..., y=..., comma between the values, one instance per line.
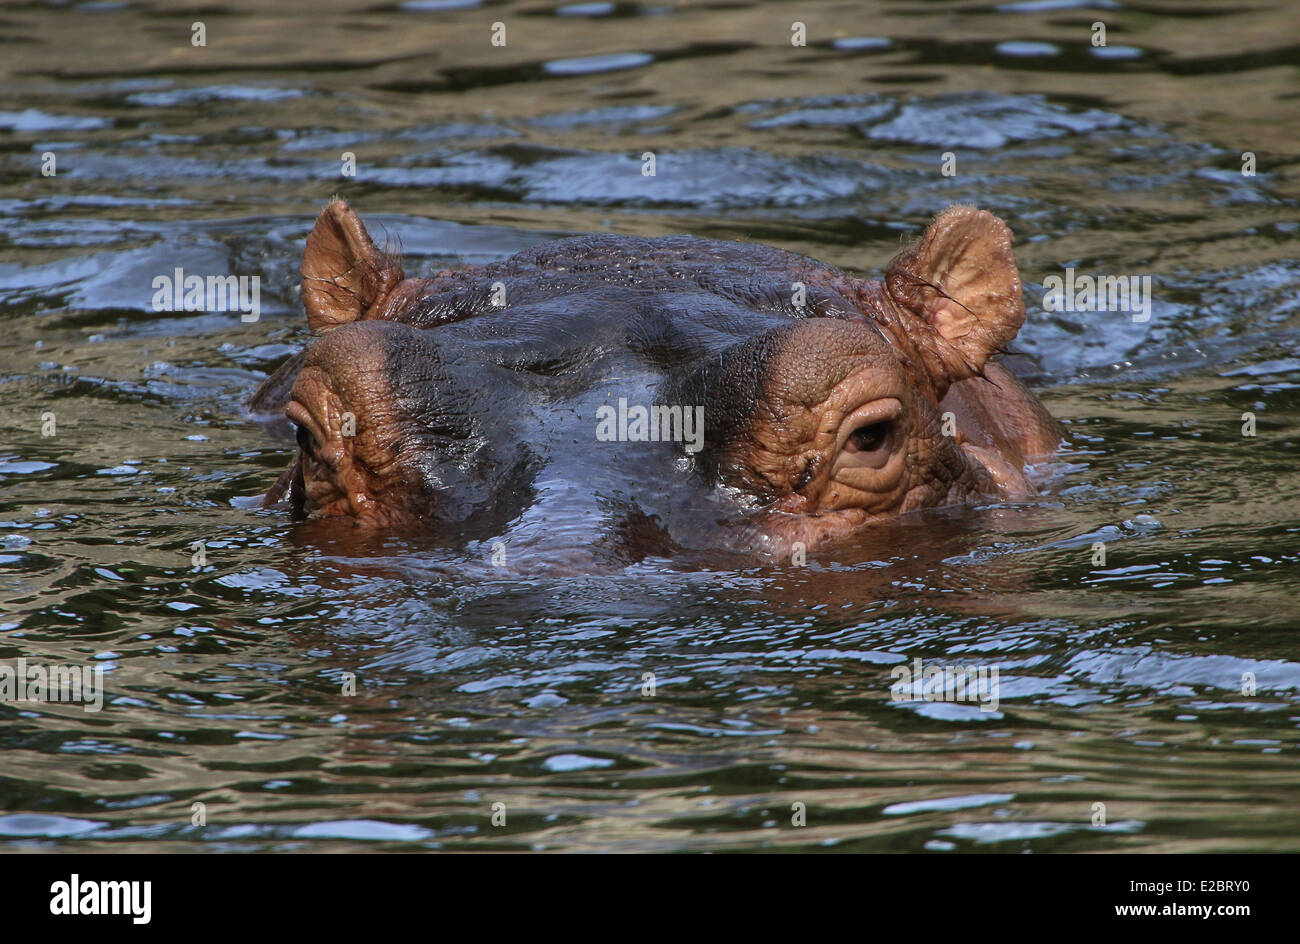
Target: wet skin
x=471, y=401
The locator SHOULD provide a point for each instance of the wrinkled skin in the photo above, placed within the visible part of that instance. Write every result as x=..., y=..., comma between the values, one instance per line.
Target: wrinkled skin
x=427, y=403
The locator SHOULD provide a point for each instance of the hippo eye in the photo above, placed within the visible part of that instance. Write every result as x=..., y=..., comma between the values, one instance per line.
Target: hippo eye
x=871, y=441
x=869, y=438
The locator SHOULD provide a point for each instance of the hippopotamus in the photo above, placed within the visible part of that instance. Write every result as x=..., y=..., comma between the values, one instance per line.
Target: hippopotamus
x=662, y=393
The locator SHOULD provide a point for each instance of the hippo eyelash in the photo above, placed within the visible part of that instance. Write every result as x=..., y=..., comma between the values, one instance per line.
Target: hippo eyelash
x=809, y=472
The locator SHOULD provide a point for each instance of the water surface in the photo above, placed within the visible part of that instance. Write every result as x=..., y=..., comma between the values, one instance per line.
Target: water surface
x=1120, y=683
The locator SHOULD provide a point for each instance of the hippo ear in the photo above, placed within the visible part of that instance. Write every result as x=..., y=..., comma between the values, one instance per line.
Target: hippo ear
x=343, y=273
x=961, y=281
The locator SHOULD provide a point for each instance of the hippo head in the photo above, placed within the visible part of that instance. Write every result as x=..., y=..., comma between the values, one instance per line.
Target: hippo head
x=421, y=399
x=830, y=422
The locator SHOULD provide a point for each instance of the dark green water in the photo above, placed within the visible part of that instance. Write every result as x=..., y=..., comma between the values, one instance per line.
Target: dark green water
x=1120, y=683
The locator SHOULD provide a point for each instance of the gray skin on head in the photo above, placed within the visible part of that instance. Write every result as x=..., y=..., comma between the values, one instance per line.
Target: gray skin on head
x=426, y=403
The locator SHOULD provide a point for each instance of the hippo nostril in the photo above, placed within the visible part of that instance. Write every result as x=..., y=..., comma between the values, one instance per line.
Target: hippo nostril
x=304, y=439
